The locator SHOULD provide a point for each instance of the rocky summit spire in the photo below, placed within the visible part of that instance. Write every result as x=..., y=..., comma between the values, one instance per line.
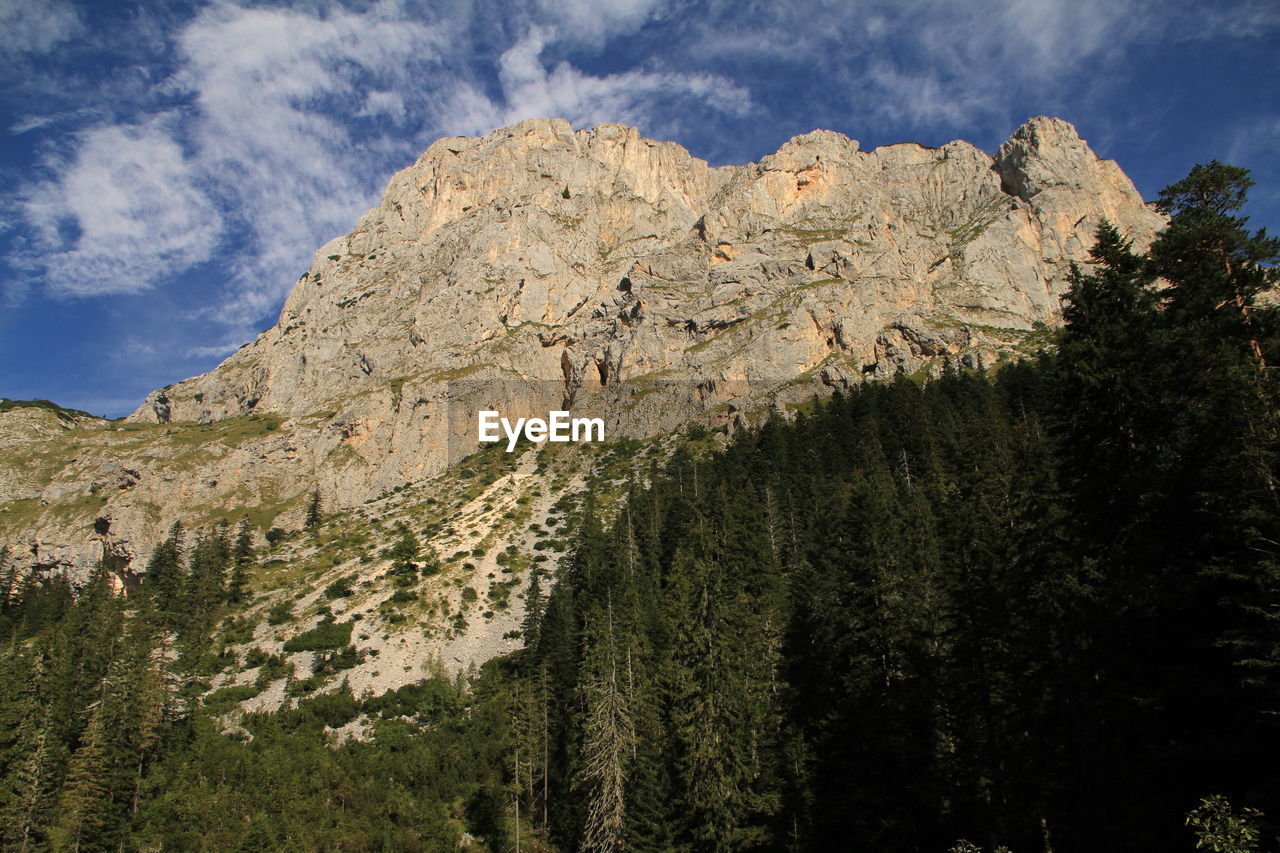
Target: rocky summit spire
x=1048, y=165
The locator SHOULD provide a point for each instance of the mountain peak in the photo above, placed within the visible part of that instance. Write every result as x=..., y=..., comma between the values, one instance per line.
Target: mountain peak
x=1048, y=152
x=1049, y=129
x=599, y=270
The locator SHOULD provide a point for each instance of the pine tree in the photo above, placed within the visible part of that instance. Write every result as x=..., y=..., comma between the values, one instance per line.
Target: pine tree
x=1109, y=420
x=92, y=635
x=84, y=803
x=711, y=700
x=534, y=604
x=405, y=551
x=608, y=741
x=1217, y=269
x=522, y=715
x=9, y=598
x=313, y=517
x=1168, y=435
x=31, y=778
x=166, y=572
x=206, y=587
x=32, y=785
x=1221, y=511
x=242, y=557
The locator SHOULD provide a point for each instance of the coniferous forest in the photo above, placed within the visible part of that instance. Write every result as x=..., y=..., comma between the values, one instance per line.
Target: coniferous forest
x=1030, y=608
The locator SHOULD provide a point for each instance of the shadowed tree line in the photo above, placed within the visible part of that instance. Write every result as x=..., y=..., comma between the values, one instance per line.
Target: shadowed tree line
x=1036, y=609
x=1033, y=609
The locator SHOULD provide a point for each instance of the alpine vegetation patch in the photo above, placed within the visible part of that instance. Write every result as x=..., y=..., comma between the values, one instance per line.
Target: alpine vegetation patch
x=558, y=426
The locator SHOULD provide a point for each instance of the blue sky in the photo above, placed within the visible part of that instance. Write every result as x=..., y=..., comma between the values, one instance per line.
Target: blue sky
x=168, y=169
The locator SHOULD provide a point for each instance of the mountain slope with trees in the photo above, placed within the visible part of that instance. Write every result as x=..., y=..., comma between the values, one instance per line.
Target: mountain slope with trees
x=1034, y=609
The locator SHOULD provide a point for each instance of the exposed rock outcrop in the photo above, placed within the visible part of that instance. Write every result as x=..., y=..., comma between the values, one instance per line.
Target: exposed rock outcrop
x=540, y=266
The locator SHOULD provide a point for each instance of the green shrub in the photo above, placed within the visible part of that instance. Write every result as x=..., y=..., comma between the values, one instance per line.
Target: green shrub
x=430, y=700
x=238, y=693
x=499, y=593
x=1220, y=828
x=273, y=669
x=303, y=686
x=326, y=635
x=280, y=613
x=326, y=709
x=330, y=662
x=237, y=632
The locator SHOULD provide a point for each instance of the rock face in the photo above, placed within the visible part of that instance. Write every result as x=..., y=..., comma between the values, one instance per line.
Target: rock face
x=540, y=267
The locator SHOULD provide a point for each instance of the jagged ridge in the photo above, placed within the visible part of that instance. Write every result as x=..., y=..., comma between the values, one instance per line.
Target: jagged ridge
x=542, y=263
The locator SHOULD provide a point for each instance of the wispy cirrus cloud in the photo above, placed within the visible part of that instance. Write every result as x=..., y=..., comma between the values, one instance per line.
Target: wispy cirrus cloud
x=121, y=215
x=529, y=88
x=593, y=21
x=279, y=127
x=198, y=152
x=35, y=26
x=924, y=63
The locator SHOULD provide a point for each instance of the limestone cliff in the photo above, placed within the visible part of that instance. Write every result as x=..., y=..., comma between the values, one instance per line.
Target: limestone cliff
x=540, y=266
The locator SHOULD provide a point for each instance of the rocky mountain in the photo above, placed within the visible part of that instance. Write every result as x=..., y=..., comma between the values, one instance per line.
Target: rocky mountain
x=540, y=267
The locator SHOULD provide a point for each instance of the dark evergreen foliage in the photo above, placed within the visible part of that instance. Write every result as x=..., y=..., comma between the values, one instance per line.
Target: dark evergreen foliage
x=1036, y=609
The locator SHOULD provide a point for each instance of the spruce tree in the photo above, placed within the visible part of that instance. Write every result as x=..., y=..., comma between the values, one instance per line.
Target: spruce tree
x=313, y=516
x=31, y=764
x=242, y=557
x=166, y=572
x=210, y=559
x=608, y=739
x=533, y=606
x=84, y=804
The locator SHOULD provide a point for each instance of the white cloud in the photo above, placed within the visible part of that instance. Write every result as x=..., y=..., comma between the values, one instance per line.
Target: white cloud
x=124, y=212
x=592, y=21
x=28, y=123
x=385, y=104
x=1255, y=140
x=225, y=344
x=274, y=92
x=530, y=89
x=1253, y=144
x=917, y=98
x=962, y=64
x=268, y=150
x=925, y=62
x=35, y=26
